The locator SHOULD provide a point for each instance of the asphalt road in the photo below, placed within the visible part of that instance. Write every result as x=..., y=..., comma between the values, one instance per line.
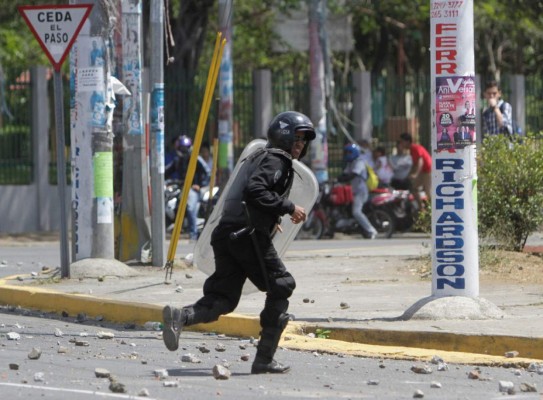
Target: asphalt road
x=134, y=355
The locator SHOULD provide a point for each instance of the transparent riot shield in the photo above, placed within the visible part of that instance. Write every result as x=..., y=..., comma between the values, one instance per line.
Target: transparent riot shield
x=304, y=193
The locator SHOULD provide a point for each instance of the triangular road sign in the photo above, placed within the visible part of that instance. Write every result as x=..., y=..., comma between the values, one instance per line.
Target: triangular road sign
x=56, y=27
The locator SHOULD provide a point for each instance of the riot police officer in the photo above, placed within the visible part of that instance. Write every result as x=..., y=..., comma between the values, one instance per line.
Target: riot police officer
x=263, y=184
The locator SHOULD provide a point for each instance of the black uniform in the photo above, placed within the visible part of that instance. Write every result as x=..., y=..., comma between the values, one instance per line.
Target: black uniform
x=266, y=194
x=263, y=182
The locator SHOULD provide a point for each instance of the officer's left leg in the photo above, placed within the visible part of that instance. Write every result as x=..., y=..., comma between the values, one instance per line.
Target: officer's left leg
x=274, y=317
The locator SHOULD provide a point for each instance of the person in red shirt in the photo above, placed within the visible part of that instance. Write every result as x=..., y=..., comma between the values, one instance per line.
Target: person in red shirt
x=421, y=171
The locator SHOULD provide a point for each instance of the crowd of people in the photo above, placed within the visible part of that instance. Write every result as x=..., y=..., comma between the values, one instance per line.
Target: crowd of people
x=407, y=167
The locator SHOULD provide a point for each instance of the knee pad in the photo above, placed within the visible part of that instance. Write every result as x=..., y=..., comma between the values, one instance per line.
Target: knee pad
x=283, y=285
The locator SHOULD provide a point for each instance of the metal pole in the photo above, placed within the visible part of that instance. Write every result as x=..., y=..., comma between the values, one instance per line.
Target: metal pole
x=61, y=175
x=157, y=132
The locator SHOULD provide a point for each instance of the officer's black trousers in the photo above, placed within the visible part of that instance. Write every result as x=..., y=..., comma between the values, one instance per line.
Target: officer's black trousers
x=235, y=261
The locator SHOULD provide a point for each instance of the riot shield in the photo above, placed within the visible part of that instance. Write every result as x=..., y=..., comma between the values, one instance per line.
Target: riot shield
x=304, y=193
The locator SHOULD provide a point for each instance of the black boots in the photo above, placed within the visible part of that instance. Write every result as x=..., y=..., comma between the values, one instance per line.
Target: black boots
x=265, y=367
x=174, y=320
x=267, y=346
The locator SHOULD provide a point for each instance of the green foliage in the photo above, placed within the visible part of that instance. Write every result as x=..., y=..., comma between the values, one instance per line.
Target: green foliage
x=322, y=333
x=423, y=220
x=510, y=189
x=18, y=47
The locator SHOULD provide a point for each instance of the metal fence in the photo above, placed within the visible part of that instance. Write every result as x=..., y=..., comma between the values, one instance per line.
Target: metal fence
x=398, y=104
x=16, y=164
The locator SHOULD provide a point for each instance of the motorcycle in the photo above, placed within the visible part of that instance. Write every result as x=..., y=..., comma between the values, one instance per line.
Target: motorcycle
x=172, y=197
x=332, y=213
x=401, y=204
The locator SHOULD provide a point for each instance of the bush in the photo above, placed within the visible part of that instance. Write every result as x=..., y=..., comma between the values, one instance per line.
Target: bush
x=510, y=189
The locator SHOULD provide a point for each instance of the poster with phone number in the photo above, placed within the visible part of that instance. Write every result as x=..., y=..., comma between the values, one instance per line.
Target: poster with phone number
x=455, y=105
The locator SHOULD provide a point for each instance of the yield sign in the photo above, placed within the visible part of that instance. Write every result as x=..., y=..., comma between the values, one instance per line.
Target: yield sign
x=56, y=27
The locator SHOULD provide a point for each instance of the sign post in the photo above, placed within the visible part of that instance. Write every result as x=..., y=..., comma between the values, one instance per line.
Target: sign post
x=56, y=28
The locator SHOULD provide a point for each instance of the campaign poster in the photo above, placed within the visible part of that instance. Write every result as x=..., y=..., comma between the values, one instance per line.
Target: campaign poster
x=455, y=112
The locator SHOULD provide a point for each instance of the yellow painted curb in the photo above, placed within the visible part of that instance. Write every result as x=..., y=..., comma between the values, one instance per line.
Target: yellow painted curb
x=292, y=340
x=494, y=345
x=452, y=348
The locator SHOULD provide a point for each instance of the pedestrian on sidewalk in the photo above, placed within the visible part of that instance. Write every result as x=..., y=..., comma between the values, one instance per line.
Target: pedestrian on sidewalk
x=421, y=170
x=263, y=183
x=356, y=173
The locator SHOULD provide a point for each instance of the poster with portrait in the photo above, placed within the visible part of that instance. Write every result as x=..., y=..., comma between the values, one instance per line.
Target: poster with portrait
x=455, y=112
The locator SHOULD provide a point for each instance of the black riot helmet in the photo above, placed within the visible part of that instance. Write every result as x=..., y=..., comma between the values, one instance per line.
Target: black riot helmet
x=283, y=127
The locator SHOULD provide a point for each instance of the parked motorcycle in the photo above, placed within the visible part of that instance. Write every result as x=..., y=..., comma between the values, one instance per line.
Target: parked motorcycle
x=401, y=204
x=172, y=197
x=332, y=213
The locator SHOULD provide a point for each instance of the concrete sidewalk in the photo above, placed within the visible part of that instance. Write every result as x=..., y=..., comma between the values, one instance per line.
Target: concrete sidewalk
x=364, y=293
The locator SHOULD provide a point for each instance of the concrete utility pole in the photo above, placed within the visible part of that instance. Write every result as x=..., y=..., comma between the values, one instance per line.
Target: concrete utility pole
x=157, y=132
x=92, y=136
x=226, y=93
x=135, y=214
x=455, y=256
x=318, y=114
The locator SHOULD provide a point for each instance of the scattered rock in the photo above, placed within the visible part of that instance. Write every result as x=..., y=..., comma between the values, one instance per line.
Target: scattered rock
x=179, y=289
x=306, y=300
x=220, y=348
x=474, y=374
x=117, y=387
x=435, y=385
x=419, y=394
x=39, y=377
x=528, y=387
x=436, y=360
x=191, y=358
x=506, y=386
x=344, y=305
x=421, y=369
x=511, y=354
x=203, y=349
x=62, y=350
x=373, y=382
x=82, y=317
x=101, y=373
x=35, y=353
x=442, y=367
x=58, y=333
x=188, y=276
x=105, y=335
x=143, y=393
x=170, y=384
x=14, y=367
x=245, y=357
x=81, y=343
x=13, y=336
x=243, y=346
x=161, y=373
x=221, y=372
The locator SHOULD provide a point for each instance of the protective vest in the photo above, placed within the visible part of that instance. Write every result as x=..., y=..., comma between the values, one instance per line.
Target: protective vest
x=233, y=212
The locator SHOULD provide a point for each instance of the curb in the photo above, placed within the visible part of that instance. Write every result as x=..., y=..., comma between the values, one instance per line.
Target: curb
x=406, y=345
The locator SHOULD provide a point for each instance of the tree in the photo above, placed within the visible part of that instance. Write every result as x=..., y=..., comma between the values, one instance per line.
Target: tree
x=18, y=47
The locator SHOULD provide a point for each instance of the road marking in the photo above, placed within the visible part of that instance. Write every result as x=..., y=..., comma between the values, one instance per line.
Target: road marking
x=78, y=391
